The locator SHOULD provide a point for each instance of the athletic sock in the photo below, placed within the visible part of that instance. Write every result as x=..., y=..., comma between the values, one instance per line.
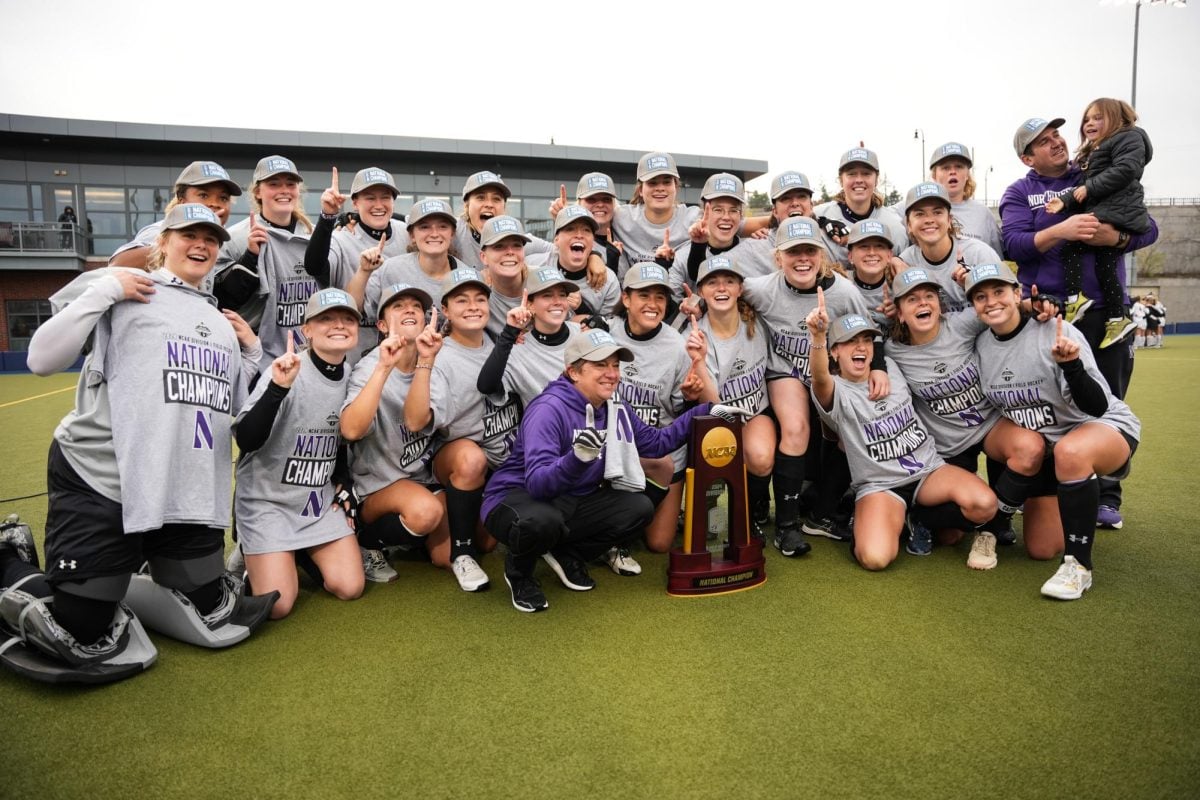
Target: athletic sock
x=943, y=515
x=462, y=514
x=1078, y=502
x=13, y=569
x=1012, y=490
x=759, y=489
x=82, y=617
x=387, y=531
x=207, y=597
x=655, y=493
x=835, y=480
x=788, y=479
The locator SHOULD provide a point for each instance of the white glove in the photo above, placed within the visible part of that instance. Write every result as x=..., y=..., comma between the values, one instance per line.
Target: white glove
x=729, y=413
x=587, y=444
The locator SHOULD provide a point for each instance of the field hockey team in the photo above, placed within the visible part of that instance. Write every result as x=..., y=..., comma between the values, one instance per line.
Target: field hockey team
x=423, y=387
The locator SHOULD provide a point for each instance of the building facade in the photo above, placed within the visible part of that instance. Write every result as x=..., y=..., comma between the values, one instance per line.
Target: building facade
x=72, y=191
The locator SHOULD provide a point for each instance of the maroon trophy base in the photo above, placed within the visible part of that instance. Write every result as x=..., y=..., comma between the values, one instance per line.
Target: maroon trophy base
x=691, y=574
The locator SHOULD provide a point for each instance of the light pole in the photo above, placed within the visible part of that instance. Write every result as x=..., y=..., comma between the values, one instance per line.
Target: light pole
x=920, y=134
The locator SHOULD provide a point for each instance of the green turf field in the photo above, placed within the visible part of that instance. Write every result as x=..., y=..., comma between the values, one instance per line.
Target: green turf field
x=928, y=680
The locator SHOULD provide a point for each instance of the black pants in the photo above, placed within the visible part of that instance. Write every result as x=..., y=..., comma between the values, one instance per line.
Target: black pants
x=583, y=527
x=1116, y=365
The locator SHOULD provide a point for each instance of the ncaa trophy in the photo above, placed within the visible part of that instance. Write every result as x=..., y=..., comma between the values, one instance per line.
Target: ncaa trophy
x=715, y=453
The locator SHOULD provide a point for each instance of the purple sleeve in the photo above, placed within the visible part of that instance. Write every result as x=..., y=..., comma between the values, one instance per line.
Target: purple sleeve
x=1141, y=240
x=1017, y=225
x=656, y=442
x=551, y=468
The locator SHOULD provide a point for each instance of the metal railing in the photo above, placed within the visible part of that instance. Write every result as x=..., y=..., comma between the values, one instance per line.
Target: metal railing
x=51, y=238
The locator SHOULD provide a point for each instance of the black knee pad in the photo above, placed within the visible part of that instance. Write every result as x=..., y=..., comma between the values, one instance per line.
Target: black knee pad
x=187, y=575
x=109, y=588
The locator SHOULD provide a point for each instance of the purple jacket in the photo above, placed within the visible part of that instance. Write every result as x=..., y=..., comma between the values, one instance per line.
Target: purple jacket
x=543, y=462
x=1023, y=214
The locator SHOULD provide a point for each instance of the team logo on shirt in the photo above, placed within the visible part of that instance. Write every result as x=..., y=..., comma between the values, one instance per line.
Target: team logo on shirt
x=312, y=459
x=203, y=331
x=939, y=367
x=896, y=437
x=1006, y=374
x=291, y=299
x=630, y=370
x=197, y=375
x=333, y=419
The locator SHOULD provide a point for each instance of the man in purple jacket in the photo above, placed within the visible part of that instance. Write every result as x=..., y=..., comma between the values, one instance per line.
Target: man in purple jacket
x=1034, y=238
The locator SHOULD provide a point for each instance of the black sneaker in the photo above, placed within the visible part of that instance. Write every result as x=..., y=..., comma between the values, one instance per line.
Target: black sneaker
x=526, y=594
x=843, y=529
x=819, y=526
x=760, y=513
x=571, y=571
x=790, y=541
x=920, y=538
x=1006, y=536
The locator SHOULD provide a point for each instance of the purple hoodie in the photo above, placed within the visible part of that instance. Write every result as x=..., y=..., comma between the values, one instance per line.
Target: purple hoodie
x=1023, y=214
x=543, y=462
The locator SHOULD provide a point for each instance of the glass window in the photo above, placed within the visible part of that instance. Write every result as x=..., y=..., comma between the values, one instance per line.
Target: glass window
x=102, y=246
x=403, y=203
x=14, y=195
x=147, y=200
x=142, y=220
x=24, y=317
x=104, y=198
x=64, y=197
x=11, y=215
x=107, y=224
x=535, y=207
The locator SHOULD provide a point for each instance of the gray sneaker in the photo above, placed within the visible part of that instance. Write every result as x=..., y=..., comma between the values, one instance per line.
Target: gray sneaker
x=376, y=568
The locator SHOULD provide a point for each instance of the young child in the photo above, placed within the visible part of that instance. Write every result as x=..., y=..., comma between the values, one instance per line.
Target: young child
x=1112, y=156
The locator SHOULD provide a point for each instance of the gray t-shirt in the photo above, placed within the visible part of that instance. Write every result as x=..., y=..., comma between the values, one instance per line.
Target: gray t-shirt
x=742, y=253
x=739, y=366
x=173, y=444
x=389, y=451
x=977, y=222
x=943, y=377
x=284, y=498
x=886, y=444
x=783, y=310
x=498, y=307
x=461, y=412
x=968, y=252
x=873, y=297
x=651, y=383
x=404, y=268
x=883, y=214
x=532, y=365
x=1021, y=378
x=639, y=237
x=345, y=248
x=287, y=287
x=472, y=253
x=601, y=301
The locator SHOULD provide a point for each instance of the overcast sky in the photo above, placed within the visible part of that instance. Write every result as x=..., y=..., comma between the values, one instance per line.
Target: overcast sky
x=791, y=83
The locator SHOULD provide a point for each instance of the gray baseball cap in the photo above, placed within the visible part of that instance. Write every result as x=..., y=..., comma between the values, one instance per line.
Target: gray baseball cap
x=463, y=276
x=717, y=265
x=498, y=228
x=724, y=184
x=572, y=213
x=594, y=346
x=398, y=290
x=1031, y=129
x=275, y=165
x=859, y=155
x=595, y=183
x=869, y=229
x=327, y=300
x=202, y=173
x=373, y=176
x=951, y=150
x=651, y=165
x=543, y=278
x=984, y=273
x=785, y=182
x=482, y=179
x=843, y=329
x=185, y=215
x=645, y=274
x=910, y=279
x=431, y=207
x=797, y=230
x=929, y=190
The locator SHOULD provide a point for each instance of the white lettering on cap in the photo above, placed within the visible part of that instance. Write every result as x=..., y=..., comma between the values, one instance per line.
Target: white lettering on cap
x=871, y=226
x=799, y=229
x=547, y=275
x=331, y=296
x=653, y=272
x=987, y=271
x=791, y=179
x=504, y=224
x=724, y=185
x=929, y=189
x=199, y=213
x=598, y=182
x=210, y=170
x=912, y=276
x=280, y=165
x=1034, y=124
x=377, y=176
x=657, y=162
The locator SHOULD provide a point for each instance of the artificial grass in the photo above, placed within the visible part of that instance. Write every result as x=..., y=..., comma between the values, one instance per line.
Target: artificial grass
x=927, y=680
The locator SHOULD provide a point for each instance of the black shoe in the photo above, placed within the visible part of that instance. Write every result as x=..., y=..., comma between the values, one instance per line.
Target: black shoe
x=571, y=571
x=790, y=541
x=1006, y=537
x=843, y=529
x=819, y=526
x=761, y=512
x=526, y=594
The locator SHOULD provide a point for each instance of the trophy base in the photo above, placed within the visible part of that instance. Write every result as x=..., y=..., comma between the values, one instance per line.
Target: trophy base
x=697, y=574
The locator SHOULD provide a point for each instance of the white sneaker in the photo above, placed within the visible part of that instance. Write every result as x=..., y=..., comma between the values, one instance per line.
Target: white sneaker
x=471, y=576
x=983, y=551
x=236, y=562
x=376, y=568
x=1070, y=582
x=621, y=562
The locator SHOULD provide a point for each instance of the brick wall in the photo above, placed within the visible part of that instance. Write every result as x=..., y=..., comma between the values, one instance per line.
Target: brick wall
x=27, y=285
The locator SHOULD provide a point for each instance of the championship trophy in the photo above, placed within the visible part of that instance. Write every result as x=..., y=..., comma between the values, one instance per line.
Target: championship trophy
x=715, y=454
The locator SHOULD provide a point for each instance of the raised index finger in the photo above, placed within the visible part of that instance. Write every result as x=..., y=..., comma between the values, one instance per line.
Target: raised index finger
x=433, y=319
x=525, y=298
x=382, y=241
x=562, y=193
x=820, y=298
x=1059, y=334
x=334, y=184
x=291, y=346
x=667, y=238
